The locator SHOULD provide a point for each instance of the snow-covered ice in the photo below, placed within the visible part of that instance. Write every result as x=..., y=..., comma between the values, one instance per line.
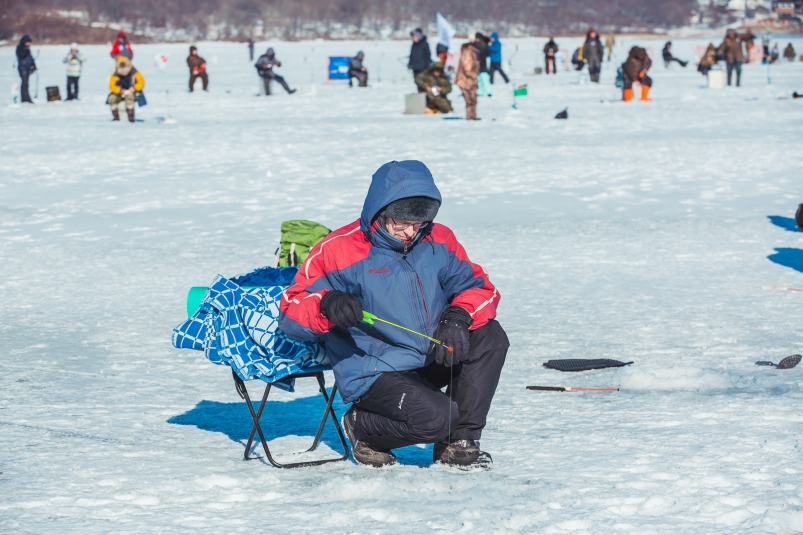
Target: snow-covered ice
x=631, y=231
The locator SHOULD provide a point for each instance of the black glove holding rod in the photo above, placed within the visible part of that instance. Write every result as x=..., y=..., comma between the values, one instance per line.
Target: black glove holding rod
x=452, y=331
x=342, y=308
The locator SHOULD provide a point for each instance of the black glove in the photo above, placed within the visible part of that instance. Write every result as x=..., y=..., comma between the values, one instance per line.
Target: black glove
x=342, y=308
x=452, y=331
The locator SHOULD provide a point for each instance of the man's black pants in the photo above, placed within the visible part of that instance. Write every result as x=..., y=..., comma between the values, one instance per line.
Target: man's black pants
x=25, y=96
x=550, y=62
x=497, y=67
x=72, y=87
x=405, y=408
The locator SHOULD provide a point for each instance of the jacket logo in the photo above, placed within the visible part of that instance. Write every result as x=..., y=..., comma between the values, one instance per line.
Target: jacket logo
x=379, y=271
x=402, y=399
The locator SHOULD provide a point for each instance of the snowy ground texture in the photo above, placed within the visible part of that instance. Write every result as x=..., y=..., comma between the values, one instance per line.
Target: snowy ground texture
x=631, y=231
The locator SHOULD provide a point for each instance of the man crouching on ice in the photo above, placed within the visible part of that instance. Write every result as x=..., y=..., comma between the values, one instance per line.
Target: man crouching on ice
x=396, y=263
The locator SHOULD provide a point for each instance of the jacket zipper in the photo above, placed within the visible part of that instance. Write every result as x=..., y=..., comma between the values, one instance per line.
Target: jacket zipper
x=412, y=271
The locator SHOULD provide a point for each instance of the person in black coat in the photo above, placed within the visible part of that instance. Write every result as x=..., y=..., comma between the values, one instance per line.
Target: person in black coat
x=356, y=70
x=26, y=66
x=669, y=58
x=481, y=44
x=420, y=54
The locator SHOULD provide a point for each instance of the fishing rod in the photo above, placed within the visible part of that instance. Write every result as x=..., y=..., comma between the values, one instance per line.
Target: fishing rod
x=369, y=318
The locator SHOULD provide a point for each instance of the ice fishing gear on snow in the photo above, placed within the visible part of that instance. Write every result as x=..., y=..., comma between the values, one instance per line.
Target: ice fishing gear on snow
x=342, y=308
x=786, y=364
x=571, y=389
x=782, y=289
x=298, y=237
x=371, y=318
x=579, y=365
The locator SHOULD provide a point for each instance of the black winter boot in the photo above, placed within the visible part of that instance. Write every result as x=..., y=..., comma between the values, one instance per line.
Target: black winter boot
x=115, y=114
x=738, y=80
x=462, y=454
x=287, y=88
x=363, y=453
x=130, y=115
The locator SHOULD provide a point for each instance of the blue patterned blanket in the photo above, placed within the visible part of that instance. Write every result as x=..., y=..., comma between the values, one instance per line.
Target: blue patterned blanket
x=239, y=327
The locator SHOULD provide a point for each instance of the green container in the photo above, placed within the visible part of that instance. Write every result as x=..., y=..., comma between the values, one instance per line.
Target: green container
x=520, y=91
x=196, y=296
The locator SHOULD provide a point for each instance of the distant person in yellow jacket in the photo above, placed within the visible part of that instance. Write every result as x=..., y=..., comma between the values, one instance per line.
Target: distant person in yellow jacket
x=124, y=85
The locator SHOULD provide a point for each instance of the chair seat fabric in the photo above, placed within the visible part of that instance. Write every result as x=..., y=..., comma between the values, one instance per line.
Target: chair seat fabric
x=240, y=328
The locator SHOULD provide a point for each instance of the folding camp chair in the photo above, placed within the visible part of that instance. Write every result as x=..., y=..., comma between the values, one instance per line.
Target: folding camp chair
x=256, y=416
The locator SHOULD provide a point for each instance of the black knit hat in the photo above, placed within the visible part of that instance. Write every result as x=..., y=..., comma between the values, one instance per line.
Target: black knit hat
x=799, y=217
x=413, y=209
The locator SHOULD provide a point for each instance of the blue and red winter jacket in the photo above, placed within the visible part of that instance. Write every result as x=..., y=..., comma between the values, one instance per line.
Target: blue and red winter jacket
x=407, y=283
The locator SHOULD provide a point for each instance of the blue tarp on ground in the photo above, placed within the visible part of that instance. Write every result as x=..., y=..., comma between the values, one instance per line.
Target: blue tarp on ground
x=239, y=327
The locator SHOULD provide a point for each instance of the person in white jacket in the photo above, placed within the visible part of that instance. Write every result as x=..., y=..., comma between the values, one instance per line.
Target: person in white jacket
x=74, y=60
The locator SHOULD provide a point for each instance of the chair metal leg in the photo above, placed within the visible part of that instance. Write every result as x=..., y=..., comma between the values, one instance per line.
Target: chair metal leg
x=257, y=428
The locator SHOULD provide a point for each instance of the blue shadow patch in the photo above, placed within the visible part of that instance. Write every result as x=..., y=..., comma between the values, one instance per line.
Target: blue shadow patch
x=788, y=257
x=299, y=417
x=786, y=223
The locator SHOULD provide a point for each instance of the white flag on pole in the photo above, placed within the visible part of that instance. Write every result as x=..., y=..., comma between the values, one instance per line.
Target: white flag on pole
x=445, y=32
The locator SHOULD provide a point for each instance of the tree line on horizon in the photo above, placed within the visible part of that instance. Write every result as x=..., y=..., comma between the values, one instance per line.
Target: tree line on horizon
x=91, y=21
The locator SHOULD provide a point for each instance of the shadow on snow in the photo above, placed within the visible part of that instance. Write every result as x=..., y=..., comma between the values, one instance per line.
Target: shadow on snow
x=299, y=417
x=786, y=223
x=791, y=258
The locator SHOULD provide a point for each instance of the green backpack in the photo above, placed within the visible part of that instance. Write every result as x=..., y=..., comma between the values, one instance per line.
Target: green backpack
x=298, y=237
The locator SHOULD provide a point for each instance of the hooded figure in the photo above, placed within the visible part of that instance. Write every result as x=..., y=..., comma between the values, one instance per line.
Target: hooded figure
x=356, y=70
x=496, y=57
x=25, y=66
x=122, y=47
x=436, y=85
x=634, y=69
x=396, y=263
x=483, y=79
x=124, y=85
x=75, y=62
x=550, y=49
x=420, y=54
x=593, y=53
x=197, y=66
x=265, y=65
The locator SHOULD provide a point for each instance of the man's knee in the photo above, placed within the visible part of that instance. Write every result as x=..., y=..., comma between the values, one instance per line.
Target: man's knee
x=437, y=424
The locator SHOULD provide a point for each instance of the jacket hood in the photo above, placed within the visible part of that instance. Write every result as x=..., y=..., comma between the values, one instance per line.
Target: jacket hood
x=360, y=55
x=394, y=181
x=122, y=34
x=495, y=36
x=270, y=52
x=25, y=39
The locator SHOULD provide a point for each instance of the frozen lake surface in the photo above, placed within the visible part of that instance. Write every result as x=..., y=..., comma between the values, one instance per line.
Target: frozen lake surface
x=636, y=231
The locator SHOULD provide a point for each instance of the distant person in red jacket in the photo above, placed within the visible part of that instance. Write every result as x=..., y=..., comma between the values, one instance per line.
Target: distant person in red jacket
x=122, y=47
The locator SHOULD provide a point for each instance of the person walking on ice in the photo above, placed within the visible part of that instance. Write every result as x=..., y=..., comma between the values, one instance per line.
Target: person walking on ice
x=124, y=85
x=197, y=66
x=496, y=58
x=265, y=65
x=75, y=61
x=397, y=263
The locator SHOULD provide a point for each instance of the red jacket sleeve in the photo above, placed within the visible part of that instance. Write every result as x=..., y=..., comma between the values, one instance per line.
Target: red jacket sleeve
x=467, y=284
